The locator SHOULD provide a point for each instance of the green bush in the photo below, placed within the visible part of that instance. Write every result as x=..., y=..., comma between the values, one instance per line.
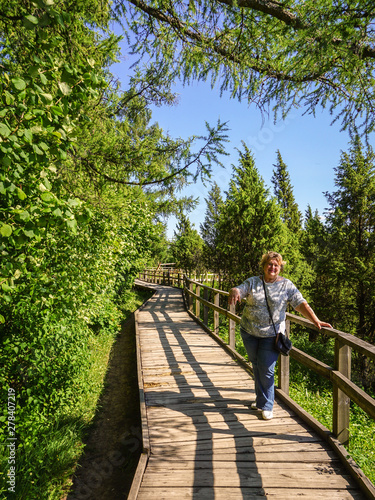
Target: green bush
x=56, y=389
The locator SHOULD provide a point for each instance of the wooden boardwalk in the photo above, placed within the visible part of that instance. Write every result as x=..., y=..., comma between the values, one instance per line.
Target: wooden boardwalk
x=204, y=441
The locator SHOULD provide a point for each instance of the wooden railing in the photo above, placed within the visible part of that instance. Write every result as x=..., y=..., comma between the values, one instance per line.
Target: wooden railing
x=344, y=389
x=172, y=277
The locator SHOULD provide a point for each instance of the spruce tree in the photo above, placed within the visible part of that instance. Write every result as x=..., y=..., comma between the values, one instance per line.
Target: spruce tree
x=188, y=246
x=283, y=190
x=209, y=229
x=313, y=244
x=250, y=222
x=351, y=223
x=313, y=237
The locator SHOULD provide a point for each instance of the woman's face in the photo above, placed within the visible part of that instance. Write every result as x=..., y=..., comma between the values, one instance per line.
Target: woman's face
x=271, y=270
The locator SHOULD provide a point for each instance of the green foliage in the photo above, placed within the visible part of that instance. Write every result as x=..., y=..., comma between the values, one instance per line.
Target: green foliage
x=362, y=441
x=350, y=224
x=209, y=229
x=75, y=227
x=42, y=102
x=282, y=55
x=250, y=222
x=314, y=394
x=238, y=230
x=187, y=248
x=50, y=441
x=160, y=251
x=284, y=193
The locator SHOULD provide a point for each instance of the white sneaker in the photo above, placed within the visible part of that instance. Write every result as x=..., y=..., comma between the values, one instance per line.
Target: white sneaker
x=253, y=406
x=267, y=415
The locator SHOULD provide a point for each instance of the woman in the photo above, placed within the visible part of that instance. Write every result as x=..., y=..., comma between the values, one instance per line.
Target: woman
x=256, y=327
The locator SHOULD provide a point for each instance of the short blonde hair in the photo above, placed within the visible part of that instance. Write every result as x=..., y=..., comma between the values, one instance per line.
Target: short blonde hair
x=271, y=256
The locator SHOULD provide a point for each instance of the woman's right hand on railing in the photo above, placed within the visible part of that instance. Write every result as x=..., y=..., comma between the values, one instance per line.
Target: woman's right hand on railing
x=234, y=296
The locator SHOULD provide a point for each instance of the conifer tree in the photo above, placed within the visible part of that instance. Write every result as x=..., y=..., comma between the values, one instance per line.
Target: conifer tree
x=188, y=246
x=278, y=54
x=250, y=222
x=210, y=231
x=313, y=244
x=283, y=190
x=351, y=223
x=313, y=237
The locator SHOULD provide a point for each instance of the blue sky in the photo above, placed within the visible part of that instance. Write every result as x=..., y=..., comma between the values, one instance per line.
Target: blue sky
x=310, y=146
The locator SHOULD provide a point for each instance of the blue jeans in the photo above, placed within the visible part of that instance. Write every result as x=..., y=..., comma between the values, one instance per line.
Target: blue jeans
x=263, y=357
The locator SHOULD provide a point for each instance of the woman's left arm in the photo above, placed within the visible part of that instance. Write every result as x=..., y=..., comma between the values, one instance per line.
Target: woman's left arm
x=306, y=311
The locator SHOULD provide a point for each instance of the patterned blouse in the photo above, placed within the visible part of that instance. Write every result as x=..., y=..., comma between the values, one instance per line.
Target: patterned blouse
x=255, y=318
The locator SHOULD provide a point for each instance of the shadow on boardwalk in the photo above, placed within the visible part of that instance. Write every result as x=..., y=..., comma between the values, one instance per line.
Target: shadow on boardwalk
x=197, y=410
x=205, y=441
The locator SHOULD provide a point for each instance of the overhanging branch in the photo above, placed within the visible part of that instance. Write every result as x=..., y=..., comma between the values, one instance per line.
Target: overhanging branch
x=275, y=10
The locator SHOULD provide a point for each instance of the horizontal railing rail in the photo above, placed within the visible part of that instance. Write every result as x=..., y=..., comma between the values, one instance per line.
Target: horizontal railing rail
x=339, y=375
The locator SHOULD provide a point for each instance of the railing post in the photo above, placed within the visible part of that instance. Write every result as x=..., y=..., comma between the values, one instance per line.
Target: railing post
x=283, y=366
x=216, y=314
x=341, y=402
x=191, y=288
x=197, y=303
x=232, y=328
x=205, y=308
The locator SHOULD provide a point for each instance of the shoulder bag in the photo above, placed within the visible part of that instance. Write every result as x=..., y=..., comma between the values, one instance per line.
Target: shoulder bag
x=282, y=343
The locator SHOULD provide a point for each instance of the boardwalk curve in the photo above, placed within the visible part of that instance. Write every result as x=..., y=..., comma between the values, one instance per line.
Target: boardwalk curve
x=202, y=439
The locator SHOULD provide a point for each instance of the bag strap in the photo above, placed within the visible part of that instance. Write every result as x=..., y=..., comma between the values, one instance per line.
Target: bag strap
x=268, y=307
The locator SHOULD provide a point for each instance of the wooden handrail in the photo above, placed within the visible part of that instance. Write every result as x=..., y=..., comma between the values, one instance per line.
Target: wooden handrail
x=339, y=375
x=221, y=292
x=214, y=307
x=346, y=338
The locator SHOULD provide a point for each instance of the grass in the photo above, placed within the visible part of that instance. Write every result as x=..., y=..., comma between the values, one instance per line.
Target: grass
x=314, y=394
x=44, y=470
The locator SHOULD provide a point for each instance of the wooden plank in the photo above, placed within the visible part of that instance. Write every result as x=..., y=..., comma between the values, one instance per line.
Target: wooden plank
x=306, y=457
x=144, y=423
x=170, y=418
x=157, y=438
x=288, y=478
x=233, y=373
x=138, y=476
x=260, y=446
x=157, y=464
x=224, y=493
x=210, y=394
x=261, y=443
x=250, y=423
